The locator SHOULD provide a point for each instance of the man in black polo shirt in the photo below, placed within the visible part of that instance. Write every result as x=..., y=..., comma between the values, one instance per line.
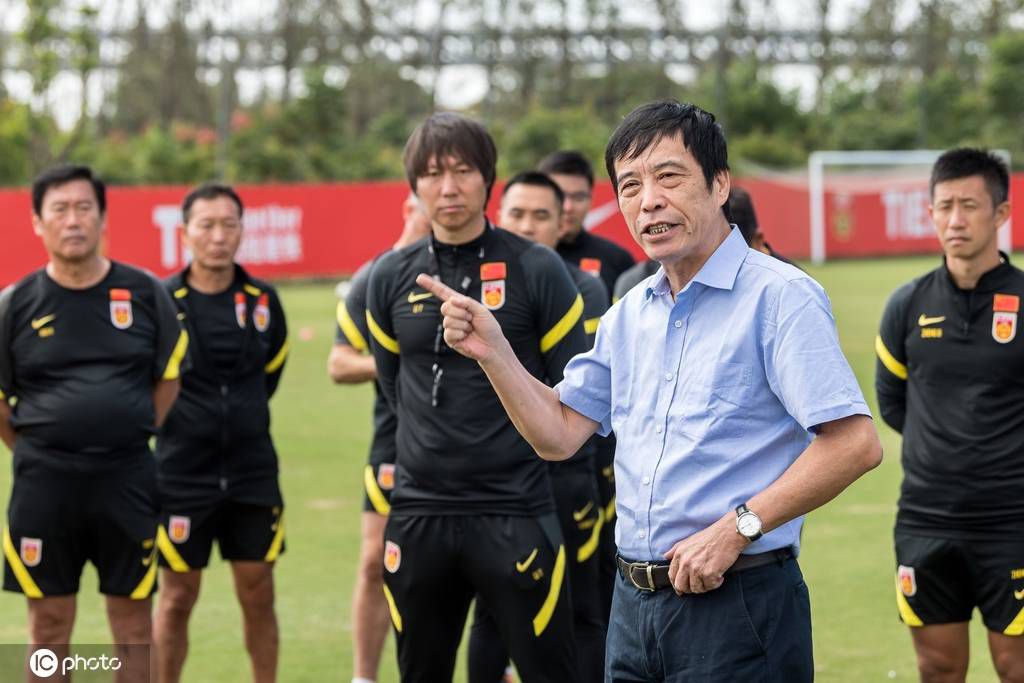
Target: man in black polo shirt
x=90, y=355
x=217, y=463
x=350, y=363
x=531, y=207
x=949, y=378
x=472, y=512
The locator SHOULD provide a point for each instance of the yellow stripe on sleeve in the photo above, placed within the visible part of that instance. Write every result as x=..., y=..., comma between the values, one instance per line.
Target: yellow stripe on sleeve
x=349, y=329
x=590, y=326
x=170, y=553
x=277, y=543
x=28, y=585
x=389, y=343
x=609, y=511
x=888, y=360
x=278, y=361
x=173, y=369
x=563, y=326
x=540, y=622
x=586, y=551
x=906, y=611
x=145, y=587
x=396, y=618
x=373, y=492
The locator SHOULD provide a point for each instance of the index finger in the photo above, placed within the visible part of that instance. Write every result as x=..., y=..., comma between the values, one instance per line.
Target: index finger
x=435, y=287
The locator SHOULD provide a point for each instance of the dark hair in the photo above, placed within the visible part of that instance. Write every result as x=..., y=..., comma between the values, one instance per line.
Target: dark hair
x=964, y=162
x=62, y=175
x=740, y=210
x=535, y=179
x=448, y=134
x=210, y=191
x=649, y=123
x=567, y=162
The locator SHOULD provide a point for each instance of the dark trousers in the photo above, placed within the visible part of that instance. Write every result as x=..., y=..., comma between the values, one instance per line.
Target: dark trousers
x=755, y=628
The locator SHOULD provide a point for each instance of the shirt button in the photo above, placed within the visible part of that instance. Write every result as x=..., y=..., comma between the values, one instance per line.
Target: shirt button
x=669, y=376
x=647, y=480
x=679, y=323
x=658, y=429
x=643, y=534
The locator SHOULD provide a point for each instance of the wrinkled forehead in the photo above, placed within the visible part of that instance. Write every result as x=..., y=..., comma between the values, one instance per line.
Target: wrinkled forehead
x=661, y=150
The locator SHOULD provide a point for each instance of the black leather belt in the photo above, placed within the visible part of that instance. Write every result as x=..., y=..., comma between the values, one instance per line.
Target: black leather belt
x=652, y=576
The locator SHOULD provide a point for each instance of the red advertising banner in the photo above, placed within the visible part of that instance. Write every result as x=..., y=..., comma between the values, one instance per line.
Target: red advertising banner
x=326, y=230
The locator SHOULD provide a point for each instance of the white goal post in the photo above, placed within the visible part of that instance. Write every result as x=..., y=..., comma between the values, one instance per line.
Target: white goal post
x=818, y=161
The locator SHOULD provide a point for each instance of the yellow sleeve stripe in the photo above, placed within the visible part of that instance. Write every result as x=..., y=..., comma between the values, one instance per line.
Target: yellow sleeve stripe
x=563, y=326
x=254, y=291
x=181, y=292
x=170, y=553
x=906, y=611
x=540, y=622
x=609, y=511
x=275, y=546
x=145, y=587
x=1016, y=627
x=586, y=551
x=349, y=329
x=28, y=585
x=590, y=326
x=389, y=343
x=373, y=492
x=396, y=618
x=888, y=360
x=278, y=361
x=173, y=370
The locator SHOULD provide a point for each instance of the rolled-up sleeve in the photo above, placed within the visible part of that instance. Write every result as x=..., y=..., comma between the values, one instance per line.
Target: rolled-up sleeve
x=804, y=363
x=586, y=384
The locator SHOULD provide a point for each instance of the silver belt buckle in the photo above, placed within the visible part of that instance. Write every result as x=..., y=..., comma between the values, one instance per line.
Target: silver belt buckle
x=647, y=568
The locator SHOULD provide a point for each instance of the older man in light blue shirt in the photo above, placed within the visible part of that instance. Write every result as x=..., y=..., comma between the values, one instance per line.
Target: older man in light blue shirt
x=735, y=410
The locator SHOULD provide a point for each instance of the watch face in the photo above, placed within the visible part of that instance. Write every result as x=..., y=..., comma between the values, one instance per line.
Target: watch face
x=748, y=524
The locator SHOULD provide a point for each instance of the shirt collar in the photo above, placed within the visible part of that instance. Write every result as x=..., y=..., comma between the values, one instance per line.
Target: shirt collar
x=719, y=271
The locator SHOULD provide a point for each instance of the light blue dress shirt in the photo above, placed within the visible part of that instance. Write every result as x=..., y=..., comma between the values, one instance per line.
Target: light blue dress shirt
x=711, y=396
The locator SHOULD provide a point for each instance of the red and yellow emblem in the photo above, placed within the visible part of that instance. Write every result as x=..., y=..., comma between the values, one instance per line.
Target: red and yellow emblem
x=1004, y=327
x=240, y=309
x=261, y=314
x=386, y=476
x=392, y=556
x=121, y=308
x=492, y=294
x=907, y=580
x=591, y=266
x=179, y=528
x=31, y=551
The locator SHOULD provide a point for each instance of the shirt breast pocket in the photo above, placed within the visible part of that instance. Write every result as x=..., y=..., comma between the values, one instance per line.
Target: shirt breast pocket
x=728, y=384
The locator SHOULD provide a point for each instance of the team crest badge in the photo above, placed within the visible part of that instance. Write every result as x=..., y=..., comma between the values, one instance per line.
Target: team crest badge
x=31, y=551
x=907, y=581
x=178, y=528
x=591, y=266
x=493, y=294
x=1004, y=327
x=392, y=556
x=386, y=476
x=121, y=308
x=261, y=314
x=240, y=309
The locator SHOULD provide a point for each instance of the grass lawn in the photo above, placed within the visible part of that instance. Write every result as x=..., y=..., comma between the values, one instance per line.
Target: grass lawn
x=322, y=433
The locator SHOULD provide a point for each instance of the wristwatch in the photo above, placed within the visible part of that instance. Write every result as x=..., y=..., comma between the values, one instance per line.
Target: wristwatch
x=748, y=524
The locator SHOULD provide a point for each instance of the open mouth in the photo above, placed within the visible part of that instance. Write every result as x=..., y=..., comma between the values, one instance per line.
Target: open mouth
x=656, y=229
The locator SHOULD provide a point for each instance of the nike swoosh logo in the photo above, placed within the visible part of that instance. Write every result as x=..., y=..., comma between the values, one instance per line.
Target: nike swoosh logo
x=924, y=320
x=525, y=564
x=1019, y=594
x=580, y=514
x=39, y=322
x=413, y=298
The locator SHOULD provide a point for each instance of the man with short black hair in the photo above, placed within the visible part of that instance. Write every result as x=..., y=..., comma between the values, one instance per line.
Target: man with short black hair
x=217, y=463
x=531, y=207
x=948, y=379
x=472, y=511
x=734, y=408
x=90, y=358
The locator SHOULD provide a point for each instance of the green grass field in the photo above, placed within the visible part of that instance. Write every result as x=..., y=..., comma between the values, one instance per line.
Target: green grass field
x=322, y=433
